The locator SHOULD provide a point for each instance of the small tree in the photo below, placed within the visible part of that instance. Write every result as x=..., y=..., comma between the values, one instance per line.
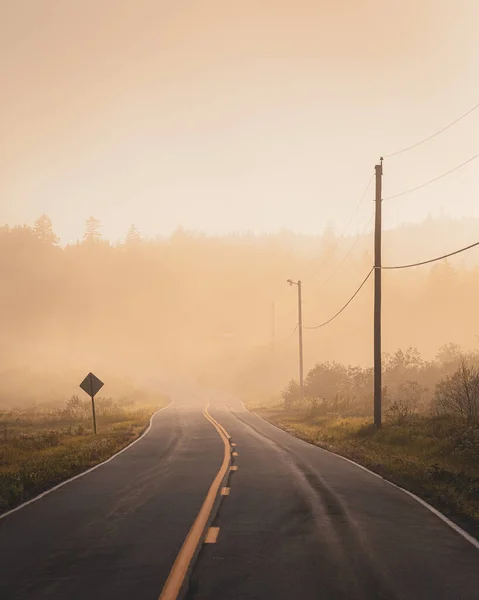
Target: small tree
x=458, y=395
x=409, y=394
x=291, y=394
x=449, y=353
x=75, y=407
x=133, y=237
x=92, y=230
x=407, y=399
x=43, y=229
x=327, y=380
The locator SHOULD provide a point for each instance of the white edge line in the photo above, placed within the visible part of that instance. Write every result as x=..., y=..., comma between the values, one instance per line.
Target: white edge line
x=46, y=492
x=439, y=514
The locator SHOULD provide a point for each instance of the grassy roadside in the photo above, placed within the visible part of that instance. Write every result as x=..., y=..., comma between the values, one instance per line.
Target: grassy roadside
x=40, y=449
x=431, y=457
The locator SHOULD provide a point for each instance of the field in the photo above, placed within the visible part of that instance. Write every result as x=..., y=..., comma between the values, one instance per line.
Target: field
x=41, y=447
x=434, y=457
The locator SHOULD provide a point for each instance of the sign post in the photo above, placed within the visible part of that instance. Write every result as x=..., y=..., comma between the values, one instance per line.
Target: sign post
x=92, y=385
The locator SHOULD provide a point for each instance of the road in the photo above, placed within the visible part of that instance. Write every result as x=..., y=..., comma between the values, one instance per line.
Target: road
x=115, y=532
x=298, y=523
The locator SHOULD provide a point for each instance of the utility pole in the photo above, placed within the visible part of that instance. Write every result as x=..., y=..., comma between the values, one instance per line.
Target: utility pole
x=300, y=332
x=377, y=299
x=272, y=328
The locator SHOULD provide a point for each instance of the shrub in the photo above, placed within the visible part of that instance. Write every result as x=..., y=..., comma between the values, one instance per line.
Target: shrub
x=398, y=413
x=76, y=408
x=467, y=442
x=291, y=394
x=458, y=395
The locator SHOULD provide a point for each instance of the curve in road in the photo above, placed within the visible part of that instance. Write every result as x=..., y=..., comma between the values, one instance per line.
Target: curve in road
x=301, y=522
x=116, y=531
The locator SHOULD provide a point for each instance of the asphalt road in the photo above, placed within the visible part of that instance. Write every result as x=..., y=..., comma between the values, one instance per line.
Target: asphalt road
x=298, y=523
x=301, y=523
x=115, y=532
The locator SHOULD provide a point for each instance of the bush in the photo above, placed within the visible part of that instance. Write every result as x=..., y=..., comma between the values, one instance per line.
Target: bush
x=291, y=394
x=457, y=395
x=467, y=442
x=398, y=413
x=80, y=430
x=76, y=408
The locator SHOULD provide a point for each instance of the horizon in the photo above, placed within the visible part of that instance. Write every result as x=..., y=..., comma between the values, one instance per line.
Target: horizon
x=328, y=229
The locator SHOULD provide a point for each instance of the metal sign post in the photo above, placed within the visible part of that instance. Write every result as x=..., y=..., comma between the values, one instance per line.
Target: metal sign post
x=92, y=385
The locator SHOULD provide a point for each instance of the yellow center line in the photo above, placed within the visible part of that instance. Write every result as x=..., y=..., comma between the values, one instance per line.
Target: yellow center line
x=227, y=435
x=179, y=570
x=212, y=535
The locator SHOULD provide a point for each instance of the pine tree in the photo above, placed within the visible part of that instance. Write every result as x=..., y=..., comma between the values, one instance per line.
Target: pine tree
x=133, y=237
x=92, y=230
x=43, y=229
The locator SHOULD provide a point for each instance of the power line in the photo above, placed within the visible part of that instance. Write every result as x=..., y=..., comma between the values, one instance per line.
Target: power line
x=358, y=205
x=418, y=187
x=345, y=306
x=347, y=253
x=285, y=339
x=363, y=196
x=433, y=135
x=425, y=262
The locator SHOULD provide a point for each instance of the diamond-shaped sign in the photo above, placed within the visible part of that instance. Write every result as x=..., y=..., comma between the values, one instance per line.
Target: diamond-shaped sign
x=91, y=385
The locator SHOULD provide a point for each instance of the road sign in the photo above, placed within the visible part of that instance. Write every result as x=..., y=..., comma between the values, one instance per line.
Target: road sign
x=91, y=385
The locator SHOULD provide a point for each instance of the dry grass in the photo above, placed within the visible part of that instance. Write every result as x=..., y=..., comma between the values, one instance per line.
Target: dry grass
x=40, y=448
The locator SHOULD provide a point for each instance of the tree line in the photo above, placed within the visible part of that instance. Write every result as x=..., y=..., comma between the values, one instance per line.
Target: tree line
x=200, y=307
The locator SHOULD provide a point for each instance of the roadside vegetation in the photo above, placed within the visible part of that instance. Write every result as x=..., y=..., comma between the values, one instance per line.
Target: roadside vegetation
x=43, y=446
x=429, y=442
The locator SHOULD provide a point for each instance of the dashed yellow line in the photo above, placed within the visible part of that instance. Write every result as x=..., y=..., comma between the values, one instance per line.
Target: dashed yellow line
x=234, y=453
x=234, y=468
x=178, y=572
x=225, y=491
x=212, y=535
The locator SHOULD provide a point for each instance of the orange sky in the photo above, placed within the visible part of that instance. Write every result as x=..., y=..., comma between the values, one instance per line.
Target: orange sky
x=232, y=116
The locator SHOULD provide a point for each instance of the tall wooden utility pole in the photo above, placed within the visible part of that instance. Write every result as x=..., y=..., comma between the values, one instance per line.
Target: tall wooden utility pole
x=300, y=332
x=273, y=318
x=377, y=300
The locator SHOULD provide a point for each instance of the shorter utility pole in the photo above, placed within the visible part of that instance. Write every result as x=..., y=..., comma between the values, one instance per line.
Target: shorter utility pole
x=300, y=332
x=273, y=319
x=377, y=300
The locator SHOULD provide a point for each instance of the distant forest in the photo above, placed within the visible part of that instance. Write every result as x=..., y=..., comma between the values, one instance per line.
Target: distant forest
x=201, y=308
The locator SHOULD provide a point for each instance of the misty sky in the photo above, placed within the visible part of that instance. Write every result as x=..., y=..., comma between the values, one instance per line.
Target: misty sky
x=222, y=116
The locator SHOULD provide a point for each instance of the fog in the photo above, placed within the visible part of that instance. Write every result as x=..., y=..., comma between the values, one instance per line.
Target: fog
x=194, y=309
x=223, y=120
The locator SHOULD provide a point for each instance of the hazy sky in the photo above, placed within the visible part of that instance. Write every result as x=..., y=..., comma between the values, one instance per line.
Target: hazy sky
x=231, y=116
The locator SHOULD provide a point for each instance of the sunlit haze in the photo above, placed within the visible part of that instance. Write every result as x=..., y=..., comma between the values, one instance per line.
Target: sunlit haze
x=232, y=117
x=239, y=243
x=238, y=139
